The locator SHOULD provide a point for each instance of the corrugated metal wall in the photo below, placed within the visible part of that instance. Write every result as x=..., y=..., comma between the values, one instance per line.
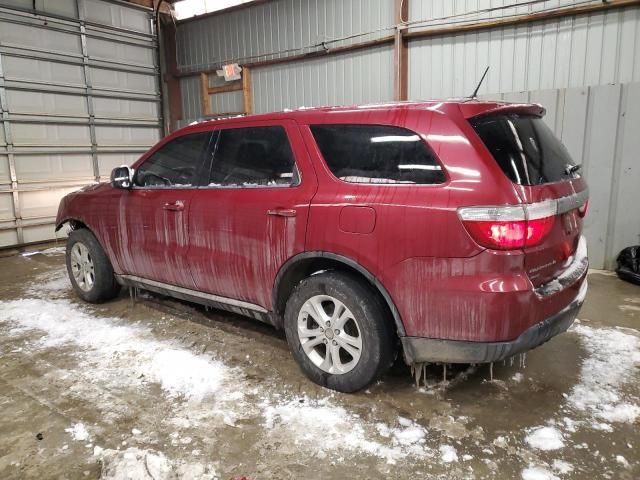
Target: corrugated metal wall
x=583, y=69
x=595, y=49
x=79, y=94
x=277, y=26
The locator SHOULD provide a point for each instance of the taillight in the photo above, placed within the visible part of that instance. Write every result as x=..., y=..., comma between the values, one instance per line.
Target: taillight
x=509, y=227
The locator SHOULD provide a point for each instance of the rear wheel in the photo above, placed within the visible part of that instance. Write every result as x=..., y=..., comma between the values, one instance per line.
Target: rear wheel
x=339, y=331
x=89, y=269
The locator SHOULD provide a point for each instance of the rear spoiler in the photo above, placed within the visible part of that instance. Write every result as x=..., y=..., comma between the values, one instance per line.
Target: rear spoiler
x=473, y=109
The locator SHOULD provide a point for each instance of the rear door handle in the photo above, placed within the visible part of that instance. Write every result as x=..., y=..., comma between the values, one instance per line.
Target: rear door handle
x=282, y=212
x=176, y=206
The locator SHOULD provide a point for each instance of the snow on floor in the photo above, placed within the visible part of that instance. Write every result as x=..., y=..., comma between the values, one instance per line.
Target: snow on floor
x=49, y=252
x=306, y=420
x=119, y=354
x=448, y=454
x=78, y=432
x=545, y=438
x=613, y=357
x=55, y=284
x=139, y=464
x=538, y=473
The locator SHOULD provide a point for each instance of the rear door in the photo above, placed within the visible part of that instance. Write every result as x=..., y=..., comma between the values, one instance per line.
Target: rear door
x=153, y=226
x=252, y=215
x=528, y=152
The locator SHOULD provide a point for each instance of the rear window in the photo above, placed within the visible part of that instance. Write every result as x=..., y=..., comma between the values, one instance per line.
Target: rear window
x=377, y=154
x=525, y=148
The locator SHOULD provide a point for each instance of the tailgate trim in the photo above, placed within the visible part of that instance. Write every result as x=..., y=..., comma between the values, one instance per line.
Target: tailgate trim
x=570, y=275
x=571, y=202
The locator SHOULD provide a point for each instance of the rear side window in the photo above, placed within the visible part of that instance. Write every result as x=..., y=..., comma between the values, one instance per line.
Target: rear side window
x=174, y=164
x=377, y=154
x=524, y=147
x=254, y=156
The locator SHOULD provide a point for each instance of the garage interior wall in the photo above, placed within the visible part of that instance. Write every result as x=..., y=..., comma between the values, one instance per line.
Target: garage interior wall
x=79, y=94
x=584, y=68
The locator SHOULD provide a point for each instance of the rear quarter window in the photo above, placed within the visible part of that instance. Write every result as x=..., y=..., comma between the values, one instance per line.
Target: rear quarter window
x=524, y=147
x=377, y=154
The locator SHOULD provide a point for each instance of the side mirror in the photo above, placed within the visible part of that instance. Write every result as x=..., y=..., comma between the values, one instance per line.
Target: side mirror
x=122, y=177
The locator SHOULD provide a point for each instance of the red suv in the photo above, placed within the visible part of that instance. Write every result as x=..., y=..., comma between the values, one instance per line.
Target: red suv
x=449, y=231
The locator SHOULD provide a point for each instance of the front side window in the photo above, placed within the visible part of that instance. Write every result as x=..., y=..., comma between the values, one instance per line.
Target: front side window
x=175, y=164
x=253, y=156
x=377, y=154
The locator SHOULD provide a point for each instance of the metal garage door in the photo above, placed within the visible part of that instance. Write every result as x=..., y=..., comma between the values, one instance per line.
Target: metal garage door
x=79, y=94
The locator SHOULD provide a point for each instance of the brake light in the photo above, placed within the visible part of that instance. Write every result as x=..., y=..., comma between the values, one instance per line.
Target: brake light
x=509, y=227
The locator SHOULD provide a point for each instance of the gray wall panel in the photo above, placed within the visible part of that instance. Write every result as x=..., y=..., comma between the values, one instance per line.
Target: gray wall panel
x=624, y=227
x=53, y=167
x=120, y=52
x=39, y=38
x=8, y=237
x=22, y=101
x=135, y=136
x=584, y=50
x=124, y=81
x=250, y=32
x=114, y=15
x=355, y=77
x=6, y=206
x=598, y=160
x=41, y=134
x=191, y=105
x=17, y=68
x=125, y=109
x=4, y=169
x=66, y=8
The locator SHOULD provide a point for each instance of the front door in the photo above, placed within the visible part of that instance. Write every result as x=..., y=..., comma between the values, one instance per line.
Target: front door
x=154, y=218
x=253, y=214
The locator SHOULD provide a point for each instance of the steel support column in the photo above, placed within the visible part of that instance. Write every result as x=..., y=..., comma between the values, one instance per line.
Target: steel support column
x=13, y=177
x=401, y=51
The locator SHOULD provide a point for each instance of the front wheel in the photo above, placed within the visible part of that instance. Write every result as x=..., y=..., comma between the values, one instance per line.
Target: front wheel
x=89, y=269
x=339, y=331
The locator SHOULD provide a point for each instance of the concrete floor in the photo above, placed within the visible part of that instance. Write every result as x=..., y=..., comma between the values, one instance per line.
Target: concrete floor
x=161, y=389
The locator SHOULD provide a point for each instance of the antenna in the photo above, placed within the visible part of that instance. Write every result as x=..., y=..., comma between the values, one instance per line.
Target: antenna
x=475, y=92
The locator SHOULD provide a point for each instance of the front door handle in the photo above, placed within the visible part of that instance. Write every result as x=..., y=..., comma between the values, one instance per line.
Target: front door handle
x=282, y=212
x=176, y=206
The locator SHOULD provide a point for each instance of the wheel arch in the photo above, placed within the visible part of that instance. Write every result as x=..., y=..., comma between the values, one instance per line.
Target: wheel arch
x=305, y=264
x=78, y=224
x=74, y=223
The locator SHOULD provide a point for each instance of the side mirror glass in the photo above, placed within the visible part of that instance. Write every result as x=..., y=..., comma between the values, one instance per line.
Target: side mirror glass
x=122, y=177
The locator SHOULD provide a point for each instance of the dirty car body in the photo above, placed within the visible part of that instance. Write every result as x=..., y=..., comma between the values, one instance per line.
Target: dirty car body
x=461, y=219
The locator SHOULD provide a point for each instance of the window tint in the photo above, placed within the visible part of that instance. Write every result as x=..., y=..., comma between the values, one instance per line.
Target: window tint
x=175, y=164
x=253, y=156
x=377, y=154
x=525, y=148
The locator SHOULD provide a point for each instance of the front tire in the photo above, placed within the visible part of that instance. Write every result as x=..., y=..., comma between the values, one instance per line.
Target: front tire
x=339, y=331
x=89, y=268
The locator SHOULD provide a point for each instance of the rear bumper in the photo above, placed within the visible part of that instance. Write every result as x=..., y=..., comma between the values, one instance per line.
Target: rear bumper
x=419, y=349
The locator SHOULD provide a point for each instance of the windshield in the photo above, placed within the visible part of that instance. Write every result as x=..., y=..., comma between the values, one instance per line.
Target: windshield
x=524, y=147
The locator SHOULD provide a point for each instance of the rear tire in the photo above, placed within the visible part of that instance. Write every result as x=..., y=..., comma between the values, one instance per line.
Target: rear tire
x=339, y=331
x=89, y=268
